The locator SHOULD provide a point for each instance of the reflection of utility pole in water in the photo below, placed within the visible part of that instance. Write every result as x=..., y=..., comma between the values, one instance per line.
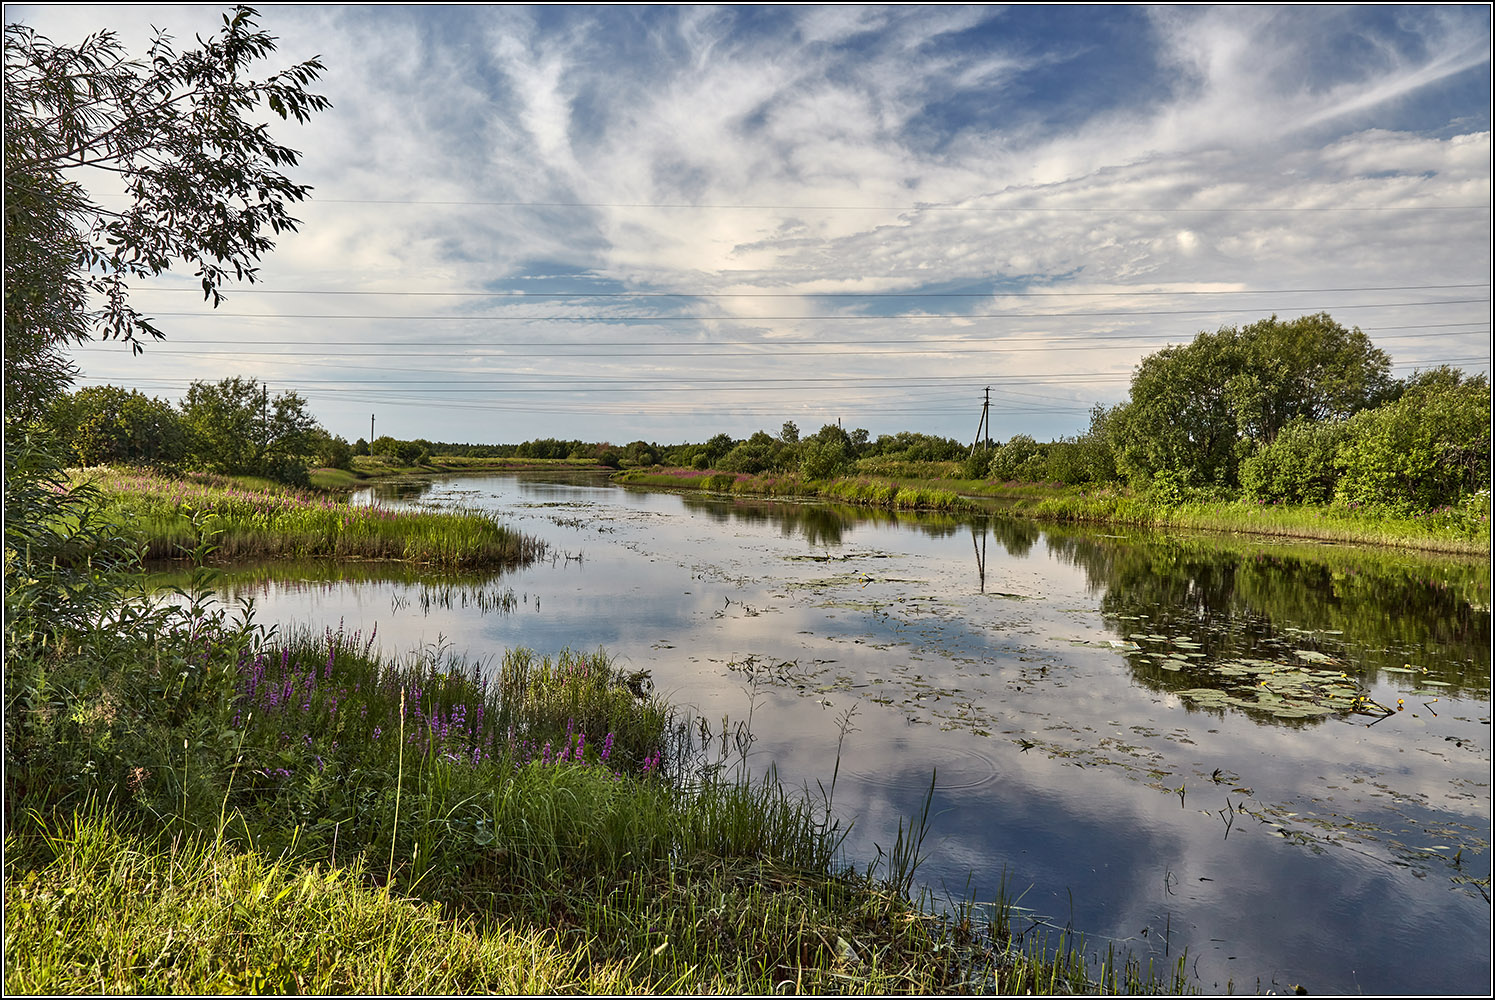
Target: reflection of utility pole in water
x=980, y=555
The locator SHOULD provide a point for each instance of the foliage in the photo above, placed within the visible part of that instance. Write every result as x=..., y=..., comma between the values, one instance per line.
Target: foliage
x=826, y=454
x=180, y=131
x=1425, y=450
x=758, y=453
x=330, y=452
x=105, y=425
x=235, y=428
x=912, y=446
x=62, y=561
x=1197, y=410
x=538, y=448
x=1087, y=458
x=1020, y=459
x=639, y=453
x=1299, y=466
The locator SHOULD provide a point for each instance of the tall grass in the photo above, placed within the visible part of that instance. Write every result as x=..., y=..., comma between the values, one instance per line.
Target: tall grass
x=96, y=906
x=860, y=491
x=167, y=515
x=1462, y=529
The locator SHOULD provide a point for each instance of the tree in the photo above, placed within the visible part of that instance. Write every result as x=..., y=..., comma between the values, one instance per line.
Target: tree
x=1429, y=447
x=826, y=454
x=235, y=428
x=1310, y=368
x=1299, y=466
x=1197, y=410
x=757, y=454
x=1021, y=458
x=177, y=131
x=104, y=424
x=329, y=451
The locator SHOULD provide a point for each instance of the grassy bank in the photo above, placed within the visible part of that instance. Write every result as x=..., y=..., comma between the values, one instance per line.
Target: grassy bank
x=197, y=806
x=1463, y=529
x=365, y=467
x=863, y=491
x=167, y=515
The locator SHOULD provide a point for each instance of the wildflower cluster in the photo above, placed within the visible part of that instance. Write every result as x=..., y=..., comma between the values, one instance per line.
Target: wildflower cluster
x=570, y=750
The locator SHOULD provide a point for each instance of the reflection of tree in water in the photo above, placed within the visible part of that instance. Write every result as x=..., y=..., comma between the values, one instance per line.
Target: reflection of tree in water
x=1387, y=608
x=819, y=523
x=1017, y=536
x=326, y=574
x=401, y=489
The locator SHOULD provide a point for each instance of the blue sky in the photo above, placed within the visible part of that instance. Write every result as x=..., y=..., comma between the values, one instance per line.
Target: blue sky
x=725, y=218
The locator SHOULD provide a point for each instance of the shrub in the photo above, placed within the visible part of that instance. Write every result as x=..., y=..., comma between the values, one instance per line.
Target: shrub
x=1298, y=466
x=1021, y=458
x=1425, y=450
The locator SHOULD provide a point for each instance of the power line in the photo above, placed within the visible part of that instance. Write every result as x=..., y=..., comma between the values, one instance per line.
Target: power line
x=524, y=293
x=1086, y=339
x=603, y=319
x=769, y=350
x=567, y=382
x=1112, y=209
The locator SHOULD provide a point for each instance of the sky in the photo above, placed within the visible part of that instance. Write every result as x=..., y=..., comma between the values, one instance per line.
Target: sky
x=668, y=222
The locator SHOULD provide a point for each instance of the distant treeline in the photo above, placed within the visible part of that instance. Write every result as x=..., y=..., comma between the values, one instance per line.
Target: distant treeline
x=1300, y=411
x=829, y=452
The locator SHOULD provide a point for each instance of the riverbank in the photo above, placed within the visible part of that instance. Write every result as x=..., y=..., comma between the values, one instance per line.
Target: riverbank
x=364, y=468
x=197, y=805
x=1464, y=529
x=861, y=491
x=170, y=516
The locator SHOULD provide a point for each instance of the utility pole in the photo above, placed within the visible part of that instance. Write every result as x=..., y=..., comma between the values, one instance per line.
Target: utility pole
x=371, y=433
x=984, y=422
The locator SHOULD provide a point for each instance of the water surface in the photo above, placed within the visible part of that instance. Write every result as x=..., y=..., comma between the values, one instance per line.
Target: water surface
x=1153, y=738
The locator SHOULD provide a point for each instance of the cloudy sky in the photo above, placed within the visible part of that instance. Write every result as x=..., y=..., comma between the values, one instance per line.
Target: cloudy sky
x=668, y=222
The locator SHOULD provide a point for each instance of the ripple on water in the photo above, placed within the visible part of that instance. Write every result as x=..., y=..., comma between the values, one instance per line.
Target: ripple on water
x=960, y=768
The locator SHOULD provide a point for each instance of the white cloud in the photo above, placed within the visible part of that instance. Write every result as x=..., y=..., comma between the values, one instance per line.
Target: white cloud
x=845, y=107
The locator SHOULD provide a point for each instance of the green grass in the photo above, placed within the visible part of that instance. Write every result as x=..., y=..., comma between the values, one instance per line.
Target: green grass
x=859, y=491
x=80, y=919
x=168, y=515
x=1462, y=529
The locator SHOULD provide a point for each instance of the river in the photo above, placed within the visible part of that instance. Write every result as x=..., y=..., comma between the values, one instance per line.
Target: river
x=1156, y=741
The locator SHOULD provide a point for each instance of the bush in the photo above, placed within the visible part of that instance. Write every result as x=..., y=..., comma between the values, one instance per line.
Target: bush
x=1021, y=458
x=1427, y=449
x=1298, y=466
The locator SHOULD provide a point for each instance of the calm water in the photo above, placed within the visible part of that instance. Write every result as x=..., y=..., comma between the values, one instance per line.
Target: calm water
x=1102, y=711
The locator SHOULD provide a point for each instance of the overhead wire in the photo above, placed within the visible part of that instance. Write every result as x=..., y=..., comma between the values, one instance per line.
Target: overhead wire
x=527, y=293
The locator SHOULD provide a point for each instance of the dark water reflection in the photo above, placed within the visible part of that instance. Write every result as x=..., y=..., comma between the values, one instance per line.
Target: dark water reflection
x=1001, y=654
